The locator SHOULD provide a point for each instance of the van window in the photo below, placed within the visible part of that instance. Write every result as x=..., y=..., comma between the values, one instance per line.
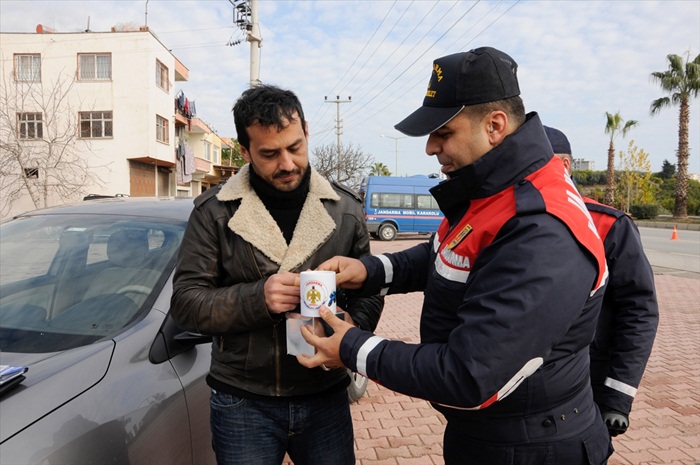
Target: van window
x=427, y=202
x=388, y=200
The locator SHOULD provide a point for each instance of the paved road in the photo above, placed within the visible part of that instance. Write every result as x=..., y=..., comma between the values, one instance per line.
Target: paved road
x=680, y=256
x=393, y=429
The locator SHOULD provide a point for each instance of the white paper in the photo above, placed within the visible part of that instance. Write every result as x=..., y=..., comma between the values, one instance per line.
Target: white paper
x=296, y=344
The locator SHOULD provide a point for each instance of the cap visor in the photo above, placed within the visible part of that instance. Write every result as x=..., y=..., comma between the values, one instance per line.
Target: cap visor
x=425, y=120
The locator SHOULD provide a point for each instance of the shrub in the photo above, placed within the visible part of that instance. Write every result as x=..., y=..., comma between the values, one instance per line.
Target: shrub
x=644, y=212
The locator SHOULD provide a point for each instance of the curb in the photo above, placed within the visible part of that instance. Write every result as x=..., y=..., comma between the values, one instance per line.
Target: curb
x=664, y=225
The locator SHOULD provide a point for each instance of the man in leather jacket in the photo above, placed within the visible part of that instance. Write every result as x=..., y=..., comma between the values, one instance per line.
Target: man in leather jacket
x=237, y=276
x=630, y=314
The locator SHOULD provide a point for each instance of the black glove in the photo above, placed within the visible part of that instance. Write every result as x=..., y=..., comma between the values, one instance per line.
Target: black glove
x=617, y=422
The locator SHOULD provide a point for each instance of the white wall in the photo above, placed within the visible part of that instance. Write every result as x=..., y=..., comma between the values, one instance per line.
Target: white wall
x=132, y=95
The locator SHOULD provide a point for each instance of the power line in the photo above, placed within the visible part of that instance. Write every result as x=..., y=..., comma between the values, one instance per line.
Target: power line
x=405, y=38
x=399, y=46
x=377, y=47
x=355, y=60
x=365, y=47
x=416, y=83
x=389, y=93
x=412, y=48
x=422, y=54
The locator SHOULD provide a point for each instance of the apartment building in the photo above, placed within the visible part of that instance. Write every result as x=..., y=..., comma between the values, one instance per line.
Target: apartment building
x=110, y=102
x=583, y=164
x=199, y=155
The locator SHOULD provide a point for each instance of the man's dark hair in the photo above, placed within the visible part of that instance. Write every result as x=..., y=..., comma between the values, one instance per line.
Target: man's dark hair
x=265, y=105
x=513, y=107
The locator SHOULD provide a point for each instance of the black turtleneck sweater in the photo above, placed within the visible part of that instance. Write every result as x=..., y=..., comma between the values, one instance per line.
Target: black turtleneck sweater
x=285, y=207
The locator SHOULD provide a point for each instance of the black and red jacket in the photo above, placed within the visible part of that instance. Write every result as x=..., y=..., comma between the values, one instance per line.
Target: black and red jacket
x=513, y=284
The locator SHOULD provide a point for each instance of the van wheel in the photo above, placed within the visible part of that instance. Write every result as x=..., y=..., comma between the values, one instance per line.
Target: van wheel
x=387, y=232
x=357, y=386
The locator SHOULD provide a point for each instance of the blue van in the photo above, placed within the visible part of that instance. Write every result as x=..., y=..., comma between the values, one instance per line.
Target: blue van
x=395, y=205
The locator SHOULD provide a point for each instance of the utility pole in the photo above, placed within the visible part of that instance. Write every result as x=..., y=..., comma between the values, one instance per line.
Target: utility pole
x=337, y=102
x=396, y=151
x=246, y=18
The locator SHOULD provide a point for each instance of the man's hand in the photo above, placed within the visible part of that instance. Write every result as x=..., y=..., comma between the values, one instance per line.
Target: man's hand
x=327, y=348
x=350, y=272
x=617, y=422
x=282, y=292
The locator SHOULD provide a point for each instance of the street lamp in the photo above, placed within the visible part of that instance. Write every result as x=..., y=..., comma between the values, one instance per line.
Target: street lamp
x=396, y=151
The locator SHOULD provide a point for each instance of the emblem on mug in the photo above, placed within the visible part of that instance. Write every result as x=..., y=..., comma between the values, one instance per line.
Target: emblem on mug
x=317, y=288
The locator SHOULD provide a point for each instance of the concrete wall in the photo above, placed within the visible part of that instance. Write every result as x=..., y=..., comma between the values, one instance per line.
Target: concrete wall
x=132, y=95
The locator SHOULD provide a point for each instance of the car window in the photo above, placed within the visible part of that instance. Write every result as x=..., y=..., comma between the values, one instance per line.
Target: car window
x=13, y=252
x=69, y=280
x=97, y=251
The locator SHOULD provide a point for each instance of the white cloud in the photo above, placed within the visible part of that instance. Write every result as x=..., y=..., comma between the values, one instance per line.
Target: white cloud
x=577, y=60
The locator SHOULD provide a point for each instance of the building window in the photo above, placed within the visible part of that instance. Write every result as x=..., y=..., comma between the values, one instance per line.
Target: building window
x=216, y=155
x=31, y=173
x=28, y=68
x=29, y=126
x=162, y=132
x=95, y=124
x=207, y=150
x=162, y=76
x=94, y=66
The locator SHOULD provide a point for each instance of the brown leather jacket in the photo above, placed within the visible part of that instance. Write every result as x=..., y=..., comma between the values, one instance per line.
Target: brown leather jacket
x=231, y=245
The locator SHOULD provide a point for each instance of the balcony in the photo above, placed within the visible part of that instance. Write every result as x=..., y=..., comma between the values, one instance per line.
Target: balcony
x=181, y=71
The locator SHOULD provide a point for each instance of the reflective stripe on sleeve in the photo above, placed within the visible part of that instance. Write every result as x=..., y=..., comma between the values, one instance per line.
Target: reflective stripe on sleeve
x=388, y=273
x=364, y=352
x=620, y=387
x=388, y=268
x=527, y=370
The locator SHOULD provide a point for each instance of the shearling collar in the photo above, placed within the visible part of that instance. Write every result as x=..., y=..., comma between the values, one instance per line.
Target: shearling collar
x=254, y=223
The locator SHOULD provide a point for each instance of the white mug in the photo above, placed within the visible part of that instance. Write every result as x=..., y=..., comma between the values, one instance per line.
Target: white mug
x=317, y=288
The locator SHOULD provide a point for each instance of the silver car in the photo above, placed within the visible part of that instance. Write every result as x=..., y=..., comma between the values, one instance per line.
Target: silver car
x=84, y=296
x=92, y=368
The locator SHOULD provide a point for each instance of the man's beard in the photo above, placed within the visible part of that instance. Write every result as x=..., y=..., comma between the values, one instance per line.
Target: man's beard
x=286, y=187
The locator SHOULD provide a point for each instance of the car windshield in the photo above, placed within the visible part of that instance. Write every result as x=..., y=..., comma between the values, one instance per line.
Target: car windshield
x=70, y=280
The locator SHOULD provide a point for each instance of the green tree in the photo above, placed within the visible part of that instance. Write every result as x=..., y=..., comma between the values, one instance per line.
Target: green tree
x=379, y=169
x=666, y=195
x=682, y=81
x=614, y=126
x=232, y=156
x=668, y=170
x=635, y=185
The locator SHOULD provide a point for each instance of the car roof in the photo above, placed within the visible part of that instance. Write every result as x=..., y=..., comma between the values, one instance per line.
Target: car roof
x=172, y=208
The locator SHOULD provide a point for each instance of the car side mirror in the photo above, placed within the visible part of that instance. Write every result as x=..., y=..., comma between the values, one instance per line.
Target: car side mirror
x=172, y=340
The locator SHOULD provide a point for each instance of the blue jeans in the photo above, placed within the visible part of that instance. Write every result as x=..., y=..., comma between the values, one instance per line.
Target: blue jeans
x=313, y=431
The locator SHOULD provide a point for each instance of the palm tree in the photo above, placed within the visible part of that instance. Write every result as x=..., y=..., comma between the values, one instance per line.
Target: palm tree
x=682, y=81
x=614, y=127
x=379, y=169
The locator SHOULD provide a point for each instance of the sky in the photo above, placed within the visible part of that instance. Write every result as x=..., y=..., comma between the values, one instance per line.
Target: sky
x=577, y=60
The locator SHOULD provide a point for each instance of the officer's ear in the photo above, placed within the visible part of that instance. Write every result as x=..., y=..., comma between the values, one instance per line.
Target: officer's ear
x=496, y=126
